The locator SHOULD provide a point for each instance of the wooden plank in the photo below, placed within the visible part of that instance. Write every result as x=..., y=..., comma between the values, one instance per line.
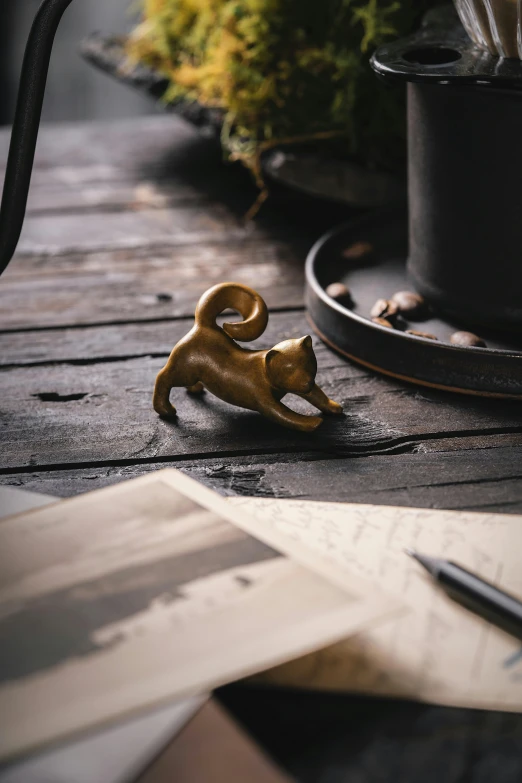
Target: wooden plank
x=125, y=165
x=93, y=231
x=101, y=412
x=480, y=480
x=185, y=198
x=90, y=345
x=466, y=443
x=144, y=154
x=181, y=169
x=96, y=167
x=129, y=340
x=123, y=144
x=74, y=194
x=154, y=163
x=144, y=285
x=197, y=210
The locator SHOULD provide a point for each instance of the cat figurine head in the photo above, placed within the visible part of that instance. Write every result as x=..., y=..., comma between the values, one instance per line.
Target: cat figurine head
x=291, y=365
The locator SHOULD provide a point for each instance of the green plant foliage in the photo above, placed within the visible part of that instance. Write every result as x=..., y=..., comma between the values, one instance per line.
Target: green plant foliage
x=283, y=70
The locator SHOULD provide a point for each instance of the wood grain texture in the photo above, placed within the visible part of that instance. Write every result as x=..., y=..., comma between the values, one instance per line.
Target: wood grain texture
x=473, y=480
x=102, y=188
x=127, y=224
x=128, y=340
x=159, y=182
x=140, y=285
x=82, y=394
x=115, y=144
x=94, y=231
x=84, y=411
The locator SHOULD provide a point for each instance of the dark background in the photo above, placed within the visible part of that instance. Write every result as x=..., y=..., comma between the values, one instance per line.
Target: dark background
x=75, y=91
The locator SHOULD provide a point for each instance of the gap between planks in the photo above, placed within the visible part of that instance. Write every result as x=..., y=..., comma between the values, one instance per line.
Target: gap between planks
x=471, y=440
x=426, y=480
x=101, y=324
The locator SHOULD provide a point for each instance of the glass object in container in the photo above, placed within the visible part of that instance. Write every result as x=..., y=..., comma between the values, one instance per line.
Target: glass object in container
x=495, y=25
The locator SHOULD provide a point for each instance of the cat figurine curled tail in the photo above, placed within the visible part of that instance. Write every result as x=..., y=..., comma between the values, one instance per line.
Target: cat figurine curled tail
x=209, y=358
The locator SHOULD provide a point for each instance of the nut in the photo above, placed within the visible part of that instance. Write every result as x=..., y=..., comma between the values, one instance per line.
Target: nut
x=426, y=335
x=383, y=322
x=468, y=339
x=384, y=308
x=358, y=250
x=339, y=292
x=409, y=303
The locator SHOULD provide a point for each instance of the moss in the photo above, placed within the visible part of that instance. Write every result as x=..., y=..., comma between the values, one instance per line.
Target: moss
x=283, y=70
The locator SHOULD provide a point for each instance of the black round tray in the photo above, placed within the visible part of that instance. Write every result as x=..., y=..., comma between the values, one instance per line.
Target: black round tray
x=493, y=371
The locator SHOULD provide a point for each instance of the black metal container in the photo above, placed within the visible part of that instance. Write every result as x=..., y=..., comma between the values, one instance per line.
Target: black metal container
x=465, y=201
x=465, y=173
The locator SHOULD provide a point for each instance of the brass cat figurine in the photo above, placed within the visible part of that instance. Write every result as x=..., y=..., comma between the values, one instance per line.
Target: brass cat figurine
x=207, y=357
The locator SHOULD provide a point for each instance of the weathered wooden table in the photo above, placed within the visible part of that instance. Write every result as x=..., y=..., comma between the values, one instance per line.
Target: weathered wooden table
x=127, y=225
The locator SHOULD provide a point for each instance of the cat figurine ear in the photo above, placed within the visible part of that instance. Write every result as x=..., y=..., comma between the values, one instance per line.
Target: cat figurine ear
x=271, y=354
x=306, y=341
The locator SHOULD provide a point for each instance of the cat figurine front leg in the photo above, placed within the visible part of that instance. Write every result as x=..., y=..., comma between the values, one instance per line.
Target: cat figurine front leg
x=319, y=400
x=281, y=414
x=209, y=358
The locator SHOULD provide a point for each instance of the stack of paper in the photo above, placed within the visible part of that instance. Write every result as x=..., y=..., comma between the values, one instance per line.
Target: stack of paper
x=135, y=595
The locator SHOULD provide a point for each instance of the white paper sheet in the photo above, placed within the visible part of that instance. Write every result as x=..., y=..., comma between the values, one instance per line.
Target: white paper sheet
x=439, y=652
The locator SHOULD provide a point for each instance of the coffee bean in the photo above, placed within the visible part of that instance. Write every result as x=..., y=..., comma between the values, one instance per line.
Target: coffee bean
x=384, y=308
x=339, y=292
x=468, y=339
x=383, y=322
x=357, y=250
x=409, y=303
x=426, y=335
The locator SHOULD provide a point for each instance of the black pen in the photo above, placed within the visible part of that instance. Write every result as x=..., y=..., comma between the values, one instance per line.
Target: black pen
x=474, y=593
